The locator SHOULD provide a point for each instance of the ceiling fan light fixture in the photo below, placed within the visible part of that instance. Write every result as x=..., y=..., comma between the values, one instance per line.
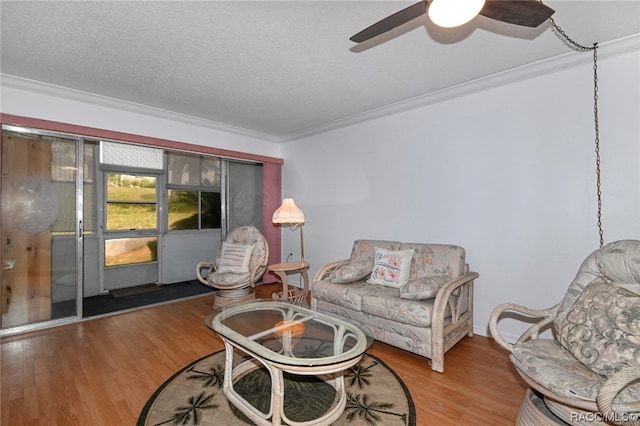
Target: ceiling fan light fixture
x=453, y=13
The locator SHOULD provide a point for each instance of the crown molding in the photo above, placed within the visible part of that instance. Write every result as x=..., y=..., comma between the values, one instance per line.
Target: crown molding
x=533, y=70
x=106, y=101
x=536, y=69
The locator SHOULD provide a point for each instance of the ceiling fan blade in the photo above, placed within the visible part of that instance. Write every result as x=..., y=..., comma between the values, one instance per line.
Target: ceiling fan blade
x=528, y=13
x=391, y=22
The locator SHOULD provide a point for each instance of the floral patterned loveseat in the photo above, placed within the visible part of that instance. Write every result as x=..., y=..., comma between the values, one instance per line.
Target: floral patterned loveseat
x=415, y=296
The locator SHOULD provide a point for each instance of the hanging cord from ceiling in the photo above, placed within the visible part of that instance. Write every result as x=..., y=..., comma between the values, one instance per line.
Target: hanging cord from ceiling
x=576, y=46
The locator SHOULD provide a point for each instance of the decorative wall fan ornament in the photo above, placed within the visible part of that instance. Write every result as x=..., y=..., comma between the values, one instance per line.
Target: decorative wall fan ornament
x=528, y=13
x=33, y=204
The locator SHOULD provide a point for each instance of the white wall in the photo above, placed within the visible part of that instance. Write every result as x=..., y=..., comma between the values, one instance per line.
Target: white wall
x=508, y=173
x=36, y=100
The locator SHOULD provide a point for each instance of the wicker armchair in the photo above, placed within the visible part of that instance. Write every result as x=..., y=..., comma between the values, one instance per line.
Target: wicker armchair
x=587, y=372
x=237, y=267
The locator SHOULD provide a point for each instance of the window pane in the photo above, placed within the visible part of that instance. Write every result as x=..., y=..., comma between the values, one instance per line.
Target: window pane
x=63, y=176
x=66, y=220
x=90, y=209
x=125, y=251
x=122, y=187
x=131, y=216
x=63, y=161
x=131, y=202
x=183, y=209
x=210, y=172
x=210, y=210
x=184, y=169
x=121, y=154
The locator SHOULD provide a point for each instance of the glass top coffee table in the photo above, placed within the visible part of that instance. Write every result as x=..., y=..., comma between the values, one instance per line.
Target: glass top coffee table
x=270, y=333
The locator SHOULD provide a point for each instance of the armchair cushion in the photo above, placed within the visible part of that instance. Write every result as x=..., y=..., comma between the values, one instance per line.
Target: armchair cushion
x=391, y=267
x=602, y=329
x=422, y=288
x=547, y=363
x=224, y=279
x=235, y=258
x=352, y=272
x=619, y=261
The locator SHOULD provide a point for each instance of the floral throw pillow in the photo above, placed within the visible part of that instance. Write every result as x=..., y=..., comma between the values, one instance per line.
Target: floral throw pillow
x=351, y=272
x=602, y=329
x=235, y=258
x=422, y=288
x=391, y=267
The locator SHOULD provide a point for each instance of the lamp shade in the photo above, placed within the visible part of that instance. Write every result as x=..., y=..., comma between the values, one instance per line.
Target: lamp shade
x=288, y=213
x=453, y=13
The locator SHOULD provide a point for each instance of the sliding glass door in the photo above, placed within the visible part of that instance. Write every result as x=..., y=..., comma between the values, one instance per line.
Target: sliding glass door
x=41, y=227
x=83, y=217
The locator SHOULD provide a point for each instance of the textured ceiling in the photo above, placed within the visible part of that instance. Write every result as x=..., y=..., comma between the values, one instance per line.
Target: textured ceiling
x=276, y=68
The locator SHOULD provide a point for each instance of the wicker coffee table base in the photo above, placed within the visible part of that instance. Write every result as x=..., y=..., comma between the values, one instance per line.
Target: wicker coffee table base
x=332, y=374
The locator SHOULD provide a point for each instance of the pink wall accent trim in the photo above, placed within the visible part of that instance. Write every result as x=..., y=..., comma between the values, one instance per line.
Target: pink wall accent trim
x=130, y=137
x=271, y=199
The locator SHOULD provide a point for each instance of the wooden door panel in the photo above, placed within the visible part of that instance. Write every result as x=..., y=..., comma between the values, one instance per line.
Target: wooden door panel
x=26, y=286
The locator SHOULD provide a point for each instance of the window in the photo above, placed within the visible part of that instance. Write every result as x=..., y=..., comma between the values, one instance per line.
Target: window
x=63, y=175
x=193, y=210
x=125, y=251
x=126, y=155
x=131, y=202
x=90, y=211
x=63, y=179
x=193, y=192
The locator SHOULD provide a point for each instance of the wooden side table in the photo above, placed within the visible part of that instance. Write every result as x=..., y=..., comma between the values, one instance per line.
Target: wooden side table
x=295, y=295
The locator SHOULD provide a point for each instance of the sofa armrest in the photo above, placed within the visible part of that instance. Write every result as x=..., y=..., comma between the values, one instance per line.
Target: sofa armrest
x=461, y=310
x=612, y=388
x=325, y=271
x=444, y=299
x=544, y=318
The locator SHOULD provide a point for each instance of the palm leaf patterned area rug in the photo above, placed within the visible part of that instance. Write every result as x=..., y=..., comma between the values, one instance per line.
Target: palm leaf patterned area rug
x=194, y=396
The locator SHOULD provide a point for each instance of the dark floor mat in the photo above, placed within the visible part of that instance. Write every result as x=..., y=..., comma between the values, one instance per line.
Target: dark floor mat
x=132, y=291
x=99, y=305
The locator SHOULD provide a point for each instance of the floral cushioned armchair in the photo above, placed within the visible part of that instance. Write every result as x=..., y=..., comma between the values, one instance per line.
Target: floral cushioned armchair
x=588, y=371
x=415, y=296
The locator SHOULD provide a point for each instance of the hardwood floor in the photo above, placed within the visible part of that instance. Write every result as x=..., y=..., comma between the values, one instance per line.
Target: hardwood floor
x=102, y=371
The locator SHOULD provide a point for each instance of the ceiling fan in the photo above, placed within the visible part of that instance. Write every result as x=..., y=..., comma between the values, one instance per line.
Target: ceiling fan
x=528, y=13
